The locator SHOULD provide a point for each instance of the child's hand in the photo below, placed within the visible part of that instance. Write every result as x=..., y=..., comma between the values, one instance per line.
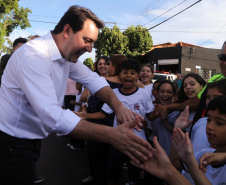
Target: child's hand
x=161, y=109
x=139, y=84
x=182, y=144
x=164, y=116
x=182, y=121
x=159, y=164
x=156, y=113
x=72, y=102
x=82, y=114
x=141, y=126
x=211, y=158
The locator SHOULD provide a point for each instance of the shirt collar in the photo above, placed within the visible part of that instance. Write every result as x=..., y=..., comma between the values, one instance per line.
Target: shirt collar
x=53, y=49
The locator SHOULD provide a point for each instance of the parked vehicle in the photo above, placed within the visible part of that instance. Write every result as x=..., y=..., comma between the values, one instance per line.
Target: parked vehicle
x=163, y=76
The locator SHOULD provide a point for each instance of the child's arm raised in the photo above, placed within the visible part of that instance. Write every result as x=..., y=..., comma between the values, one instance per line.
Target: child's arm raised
x=164, y=118
x=72, y=102
x=153, y=115
x=175, y=158
x=183, y=146
x=84, y=115
x=211, y=158
x=192, y=103
x=182, y=121
x=160, y=166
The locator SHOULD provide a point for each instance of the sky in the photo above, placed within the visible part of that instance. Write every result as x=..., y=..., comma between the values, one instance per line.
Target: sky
x=201, y=23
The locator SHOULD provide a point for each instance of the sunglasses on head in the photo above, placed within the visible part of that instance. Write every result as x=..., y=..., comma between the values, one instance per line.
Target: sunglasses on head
x=222, y=57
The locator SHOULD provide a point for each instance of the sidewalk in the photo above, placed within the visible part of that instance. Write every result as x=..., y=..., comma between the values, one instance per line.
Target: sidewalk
x=62, y=166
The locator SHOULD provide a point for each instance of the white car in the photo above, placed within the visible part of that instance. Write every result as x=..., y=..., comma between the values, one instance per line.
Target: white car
x=163, y=76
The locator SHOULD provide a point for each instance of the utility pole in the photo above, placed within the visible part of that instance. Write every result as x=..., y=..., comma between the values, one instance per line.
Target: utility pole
x=111, y=23
x=146, y=10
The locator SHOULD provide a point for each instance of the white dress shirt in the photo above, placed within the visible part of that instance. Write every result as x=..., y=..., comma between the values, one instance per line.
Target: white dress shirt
x=33, y=88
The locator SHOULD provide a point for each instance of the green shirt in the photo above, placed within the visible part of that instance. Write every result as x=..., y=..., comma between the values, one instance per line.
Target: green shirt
x=211, y=80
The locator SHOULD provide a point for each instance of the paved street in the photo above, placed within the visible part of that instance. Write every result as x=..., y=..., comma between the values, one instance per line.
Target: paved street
x=61, y=165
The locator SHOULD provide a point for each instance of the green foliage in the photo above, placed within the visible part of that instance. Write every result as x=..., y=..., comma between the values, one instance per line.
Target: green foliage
x=133, y=42
x=110, y=42
x=11, y=16
x=9, y=48
x=88, y=62
x=140, y=41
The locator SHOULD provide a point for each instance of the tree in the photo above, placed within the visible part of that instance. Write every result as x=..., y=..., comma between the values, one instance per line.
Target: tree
x=110, y=42
x=140, y=41
x=133, y=42
x=88, y=62
x=11, y=16
x=9, y=47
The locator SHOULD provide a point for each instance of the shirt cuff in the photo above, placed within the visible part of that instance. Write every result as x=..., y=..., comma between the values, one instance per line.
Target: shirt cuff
x=67, y=122
x=95, y=85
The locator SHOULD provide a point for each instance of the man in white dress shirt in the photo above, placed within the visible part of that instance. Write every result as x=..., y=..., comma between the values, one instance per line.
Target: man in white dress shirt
x=32, y=92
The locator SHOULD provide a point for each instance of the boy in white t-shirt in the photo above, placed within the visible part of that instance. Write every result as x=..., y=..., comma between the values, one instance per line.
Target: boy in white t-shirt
x=135, y=99
x=216, y=134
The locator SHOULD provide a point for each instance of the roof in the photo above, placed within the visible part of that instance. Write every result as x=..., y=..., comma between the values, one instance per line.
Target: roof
x=169, y=44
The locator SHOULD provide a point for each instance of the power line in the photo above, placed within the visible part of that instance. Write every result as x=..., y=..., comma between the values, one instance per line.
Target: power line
x=214, y=35
x=165, y=12
x=198, y=32
x=175, y=14
x=110, y=9
x=140, y=15
x=154, y=6
x=44, y=16
x=153, y=31
x=43, y=21
x=187, y=31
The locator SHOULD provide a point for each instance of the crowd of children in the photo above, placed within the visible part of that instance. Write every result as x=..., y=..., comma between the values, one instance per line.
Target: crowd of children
x=167, y=129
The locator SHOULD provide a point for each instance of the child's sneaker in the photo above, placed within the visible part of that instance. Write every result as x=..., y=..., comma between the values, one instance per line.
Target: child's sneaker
x=130, y=183
x=39, y=179
x=69, y=145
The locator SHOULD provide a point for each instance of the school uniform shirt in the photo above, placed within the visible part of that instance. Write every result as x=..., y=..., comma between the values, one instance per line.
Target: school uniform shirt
x=138, y=101
x=190, y=117
x=163, y=135
x=149, y=88
x=33, y=88
x=198, y=136
x=214, y=173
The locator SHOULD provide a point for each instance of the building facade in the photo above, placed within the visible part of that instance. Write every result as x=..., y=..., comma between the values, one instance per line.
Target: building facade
x=183, y=58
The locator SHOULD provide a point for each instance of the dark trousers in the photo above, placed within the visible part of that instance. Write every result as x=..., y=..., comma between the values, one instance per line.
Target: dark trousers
x=18, y=159
x=67, y=99
x=98, y=158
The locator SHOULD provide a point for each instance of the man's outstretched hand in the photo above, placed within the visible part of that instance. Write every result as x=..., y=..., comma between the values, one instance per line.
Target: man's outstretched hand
x=126, y=141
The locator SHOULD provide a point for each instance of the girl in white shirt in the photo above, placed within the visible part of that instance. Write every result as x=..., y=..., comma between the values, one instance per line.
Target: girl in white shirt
x=146, y=75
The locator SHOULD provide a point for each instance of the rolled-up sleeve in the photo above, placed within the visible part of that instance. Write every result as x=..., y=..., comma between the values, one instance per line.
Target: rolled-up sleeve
x=66, y=123
x=91, y=80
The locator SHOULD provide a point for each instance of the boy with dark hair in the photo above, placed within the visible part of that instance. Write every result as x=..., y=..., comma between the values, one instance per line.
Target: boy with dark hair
x=216, y=134
x=135, y=99
x=18, y=42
